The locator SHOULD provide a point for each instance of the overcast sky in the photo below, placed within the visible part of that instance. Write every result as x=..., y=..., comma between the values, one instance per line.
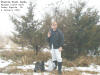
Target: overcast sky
x=6, y=26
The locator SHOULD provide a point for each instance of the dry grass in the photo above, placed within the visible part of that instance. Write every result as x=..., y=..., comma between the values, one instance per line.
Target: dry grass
x=96, y=60
x=25, y=57
x=29, y=56
x=68, y=63
x=13, y=70
x=74, y=72
x=83, y=61
x=90, y=72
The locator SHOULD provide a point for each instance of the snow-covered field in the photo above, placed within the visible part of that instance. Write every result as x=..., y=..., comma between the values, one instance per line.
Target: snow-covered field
x=91, y=68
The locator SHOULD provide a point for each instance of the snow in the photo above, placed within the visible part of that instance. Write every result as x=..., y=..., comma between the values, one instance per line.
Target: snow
x=3, y=74
x=20, y=48
x=26, y=67
x=4, y=63
x=91, y=68
x=46, y=50
x=10, y=74
x=45, y=73
x=8, y=46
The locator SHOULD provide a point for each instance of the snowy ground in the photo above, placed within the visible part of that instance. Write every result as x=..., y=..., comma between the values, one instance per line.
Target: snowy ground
x=92, y=67
x=4, y=63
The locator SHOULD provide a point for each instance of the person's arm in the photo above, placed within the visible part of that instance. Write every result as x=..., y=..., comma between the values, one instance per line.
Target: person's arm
x=48, y=39
x=48, y=36
x=61, y=40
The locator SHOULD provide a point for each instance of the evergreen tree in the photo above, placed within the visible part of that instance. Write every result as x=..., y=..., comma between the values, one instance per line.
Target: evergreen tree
x=27, y=29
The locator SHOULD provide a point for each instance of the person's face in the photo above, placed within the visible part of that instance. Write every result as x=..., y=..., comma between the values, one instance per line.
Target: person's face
x=54, y=25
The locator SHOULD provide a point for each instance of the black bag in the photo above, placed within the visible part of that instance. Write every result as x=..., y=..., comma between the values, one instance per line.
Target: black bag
x=39, y=66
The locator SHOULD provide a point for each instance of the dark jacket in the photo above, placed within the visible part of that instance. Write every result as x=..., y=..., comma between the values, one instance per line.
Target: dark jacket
x=56, y=38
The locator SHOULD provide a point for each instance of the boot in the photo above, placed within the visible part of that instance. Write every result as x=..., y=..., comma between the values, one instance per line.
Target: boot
x=55, y=62
x=59, y=68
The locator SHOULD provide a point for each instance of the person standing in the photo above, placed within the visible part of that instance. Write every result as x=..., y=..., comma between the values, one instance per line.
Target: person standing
x=55, y=39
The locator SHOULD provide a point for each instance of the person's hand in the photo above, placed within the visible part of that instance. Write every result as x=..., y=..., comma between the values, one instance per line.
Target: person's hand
x=49, y=34
x=60, y=49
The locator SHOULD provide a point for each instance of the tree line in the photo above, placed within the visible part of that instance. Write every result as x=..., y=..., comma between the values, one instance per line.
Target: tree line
x=79, y=23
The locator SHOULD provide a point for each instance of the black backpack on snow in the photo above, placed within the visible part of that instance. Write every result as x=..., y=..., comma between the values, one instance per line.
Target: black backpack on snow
x=39, y=66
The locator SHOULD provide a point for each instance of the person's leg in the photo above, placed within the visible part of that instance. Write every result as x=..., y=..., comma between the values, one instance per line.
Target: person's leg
x=59, y=60
x=53, y=55
x=59, y=68
x=54, y=59
x=55, y=62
